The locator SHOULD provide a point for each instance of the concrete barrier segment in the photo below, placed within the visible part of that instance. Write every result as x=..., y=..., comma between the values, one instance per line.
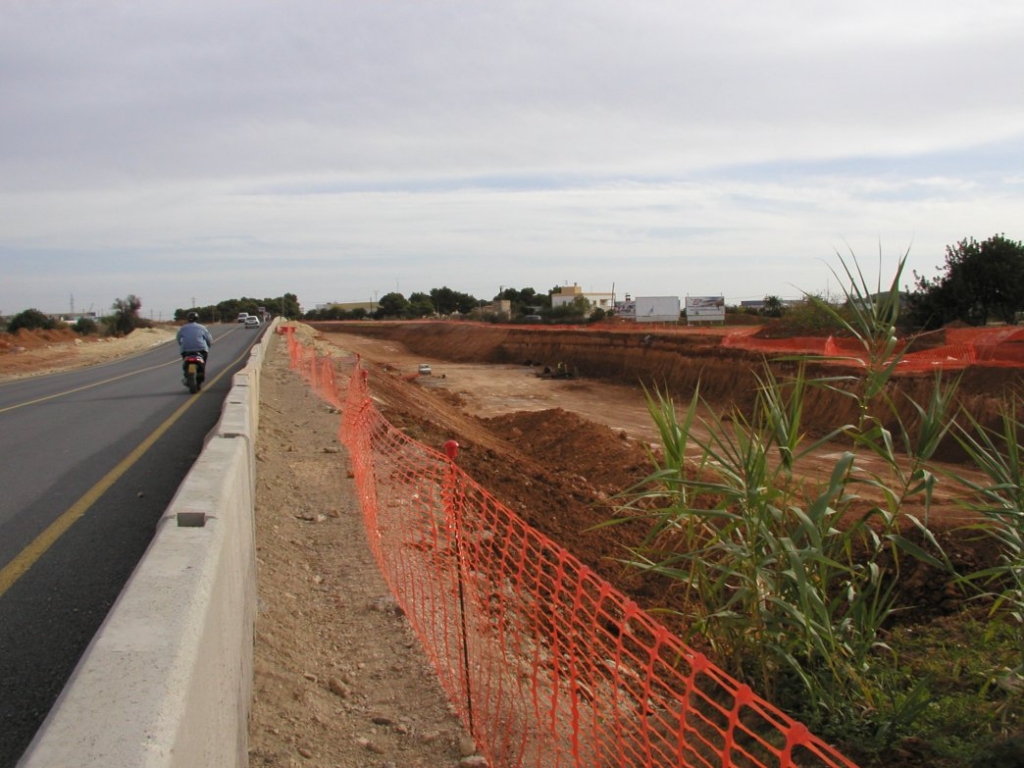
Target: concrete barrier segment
x=236, y=417
x=245, y=388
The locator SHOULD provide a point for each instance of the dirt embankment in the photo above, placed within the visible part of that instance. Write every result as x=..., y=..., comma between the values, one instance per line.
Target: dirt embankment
x=29, y=353
x=677, y=361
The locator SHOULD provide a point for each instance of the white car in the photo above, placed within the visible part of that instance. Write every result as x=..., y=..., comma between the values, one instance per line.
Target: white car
x=243, y=316
x=424, y=369
x=252, y=322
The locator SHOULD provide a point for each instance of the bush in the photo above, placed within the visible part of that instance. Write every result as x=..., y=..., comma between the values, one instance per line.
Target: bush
x=85, y=326
x=31, y=320
x=126, y=316
x=814, y=316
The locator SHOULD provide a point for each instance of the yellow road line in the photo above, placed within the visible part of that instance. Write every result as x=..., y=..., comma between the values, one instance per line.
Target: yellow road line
x=25, y=559
x=86, y=386
x=105, y=381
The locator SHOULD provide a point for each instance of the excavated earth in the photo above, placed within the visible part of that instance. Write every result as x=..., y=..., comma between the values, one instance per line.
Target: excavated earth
x=677, y=359
x=555, y=450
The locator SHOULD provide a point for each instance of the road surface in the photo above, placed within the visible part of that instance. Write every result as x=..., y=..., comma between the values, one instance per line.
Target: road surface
x=89, y=461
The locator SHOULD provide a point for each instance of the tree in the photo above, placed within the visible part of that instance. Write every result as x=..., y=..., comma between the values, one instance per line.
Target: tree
x=286, y=306
x=126, y=315
x=447, y=301
x=392, y=305
x=31, y=320
x=525, y=301
x=772, y=306
x=981, y=282
x=576, y=311
x=420, y=305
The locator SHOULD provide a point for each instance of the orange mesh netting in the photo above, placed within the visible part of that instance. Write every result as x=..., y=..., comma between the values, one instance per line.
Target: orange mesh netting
x=1001, y=346
x=546, y=662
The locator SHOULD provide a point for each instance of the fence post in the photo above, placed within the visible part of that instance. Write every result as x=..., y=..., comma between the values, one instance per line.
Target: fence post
x=453, y=513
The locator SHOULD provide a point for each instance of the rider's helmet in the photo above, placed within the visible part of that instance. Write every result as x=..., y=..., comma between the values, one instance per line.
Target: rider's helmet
x=191, y=317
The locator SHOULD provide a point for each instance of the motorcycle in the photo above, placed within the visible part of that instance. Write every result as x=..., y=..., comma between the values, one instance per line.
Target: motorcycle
x=193, y=365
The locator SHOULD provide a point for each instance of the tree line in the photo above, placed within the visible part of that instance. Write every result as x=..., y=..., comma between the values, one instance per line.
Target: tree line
x=228, y=310
x=978, y=283
x=446, y=302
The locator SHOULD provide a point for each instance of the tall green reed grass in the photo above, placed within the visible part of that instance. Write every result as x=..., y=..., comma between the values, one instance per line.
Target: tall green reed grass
x=999, y=499
x=788, y=582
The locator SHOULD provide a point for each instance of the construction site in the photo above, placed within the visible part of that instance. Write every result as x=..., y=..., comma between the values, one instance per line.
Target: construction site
x=554, y=423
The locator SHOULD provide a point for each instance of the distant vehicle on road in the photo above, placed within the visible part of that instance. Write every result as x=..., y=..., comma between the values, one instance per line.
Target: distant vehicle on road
x=242, y=316
x=252, y=322
x=424, y=369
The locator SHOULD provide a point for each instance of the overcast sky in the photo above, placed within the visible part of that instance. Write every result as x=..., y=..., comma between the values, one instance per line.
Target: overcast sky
x=194, y=151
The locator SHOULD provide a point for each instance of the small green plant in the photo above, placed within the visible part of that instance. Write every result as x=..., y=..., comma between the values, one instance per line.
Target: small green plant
x=973, y=703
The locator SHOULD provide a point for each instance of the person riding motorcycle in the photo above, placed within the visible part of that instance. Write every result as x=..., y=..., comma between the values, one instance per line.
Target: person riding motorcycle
x=194, y=337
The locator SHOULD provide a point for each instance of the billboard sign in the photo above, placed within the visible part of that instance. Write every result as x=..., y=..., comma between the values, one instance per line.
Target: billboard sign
x=705, y=309
x=657, y=309
x=626, y=309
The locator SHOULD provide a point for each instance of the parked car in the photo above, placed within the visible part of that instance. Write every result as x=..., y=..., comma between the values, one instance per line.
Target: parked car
x=252, y=322
x=424, y=369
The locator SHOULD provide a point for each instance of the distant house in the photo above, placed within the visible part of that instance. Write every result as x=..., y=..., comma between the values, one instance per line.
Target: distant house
x=73, y=317
x=567, y=294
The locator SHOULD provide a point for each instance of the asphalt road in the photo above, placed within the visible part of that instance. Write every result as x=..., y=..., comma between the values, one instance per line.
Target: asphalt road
x=89, y=461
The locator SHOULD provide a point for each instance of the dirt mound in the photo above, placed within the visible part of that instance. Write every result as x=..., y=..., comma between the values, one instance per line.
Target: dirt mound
x=554, y=469
x=576, y=446
x=28, y=353
x=24, y=339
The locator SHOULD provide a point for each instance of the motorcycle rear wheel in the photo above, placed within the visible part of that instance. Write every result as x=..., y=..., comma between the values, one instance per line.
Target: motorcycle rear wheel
x=191, y=381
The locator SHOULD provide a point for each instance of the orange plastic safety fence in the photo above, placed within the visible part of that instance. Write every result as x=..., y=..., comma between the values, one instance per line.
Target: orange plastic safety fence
x=1001, y=347
x=546, y=662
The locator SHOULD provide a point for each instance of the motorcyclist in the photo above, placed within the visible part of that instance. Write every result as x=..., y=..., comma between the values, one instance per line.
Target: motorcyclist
x=194, y=337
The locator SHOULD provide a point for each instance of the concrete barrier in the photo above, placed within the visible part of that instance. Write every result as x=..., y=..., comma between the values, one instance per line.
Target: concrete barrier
x=167, y=680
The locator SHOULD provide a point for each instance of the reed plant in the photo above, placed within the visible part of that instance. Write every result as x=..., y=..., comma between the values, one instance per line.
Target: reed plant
x=789, y=582
x=999, y=499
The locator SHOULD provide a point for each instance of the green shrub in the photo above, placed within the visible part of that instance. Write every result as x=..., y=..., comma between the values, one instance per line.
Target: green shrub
x=31, y=320
x=85, y=326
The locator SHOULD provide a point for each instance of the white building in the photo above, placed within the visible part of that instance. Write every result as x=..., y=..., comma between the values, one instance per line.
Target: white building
x=567, y=294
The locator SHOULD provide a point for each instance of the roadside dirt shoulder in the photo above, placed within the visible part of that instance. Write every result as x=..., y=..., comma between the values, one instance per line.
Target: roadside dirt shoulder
x=32, y=353
x=340, y=679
